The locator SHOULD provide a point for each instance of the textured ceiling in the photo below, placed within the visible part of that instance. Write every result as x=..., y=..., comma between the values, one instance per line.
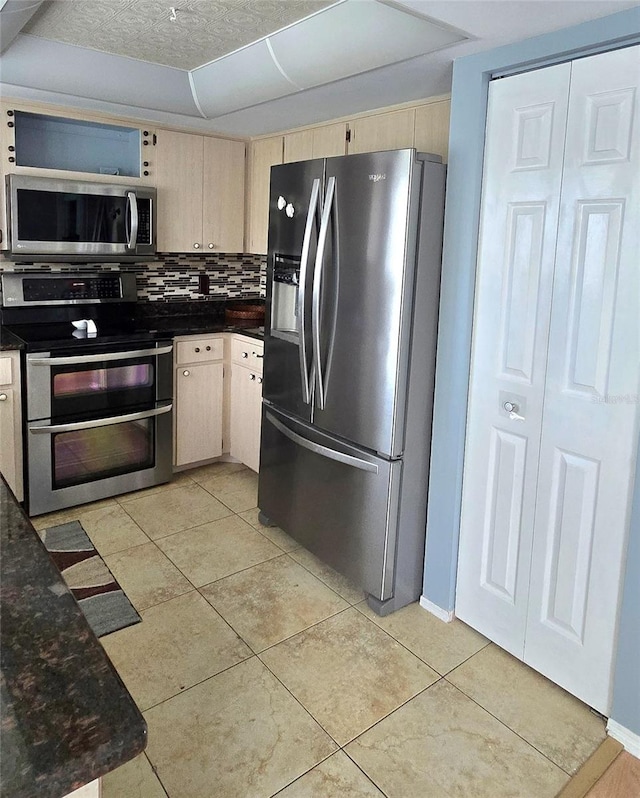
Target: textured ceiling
x=203, y=31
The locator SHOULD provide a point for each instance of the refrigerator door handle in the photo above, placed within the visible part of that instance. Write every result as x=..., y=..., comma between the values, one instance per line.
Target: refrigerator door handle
x=323, y=451
x=317, y=281
x=305, y=372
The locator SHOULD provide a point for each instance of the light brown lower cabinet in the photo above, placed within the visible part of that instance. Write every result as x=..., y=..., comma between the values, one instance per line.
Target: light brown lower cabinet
x=217, y=398
x=198, y=394
x=11, y=422
x=246, y=400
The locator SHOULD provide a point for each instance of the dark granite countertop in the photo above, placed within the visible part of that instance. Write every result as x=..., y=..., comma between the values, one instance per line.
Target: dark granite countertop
x=8, y=340
x=196, y=317
x=67, y=718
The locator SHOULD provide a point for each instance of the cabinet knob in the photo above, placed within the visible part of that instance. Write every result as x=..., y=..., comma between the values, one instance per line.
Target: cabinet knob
x=146, y=173
x=208, y=349
x=255, y=354
x=145, y=132
x=12, y=159
x=12, y=149
x=9, y=113
x=196, y=245
x=252, y=376
x=245, y=354
x=197, y=348
x=186, y=373
x=9, y=124
x=3, y=397
x=146, y=143
x=211, y=246
x=145, y=163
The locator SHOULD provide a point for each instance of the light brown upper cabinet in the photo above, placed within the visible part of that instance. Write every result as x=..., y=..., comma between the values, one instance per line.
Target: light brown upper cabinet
x=263, y=154
x=432, y=128
x=382, y=132
x=318, y=142
x=200, y=183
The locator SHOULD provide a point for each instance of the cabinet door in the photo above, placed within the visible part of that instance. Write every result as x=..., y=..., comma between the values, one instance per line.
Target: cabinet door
x=223, y=213
x=179, y=181
x=432, y=128
x=317, y=142
x=254, y=422
x=11, y=422
x=246, y=409
x=382, y=132
x=330, y=140
x=264, y=154
x=298, y=146
x=198, y=418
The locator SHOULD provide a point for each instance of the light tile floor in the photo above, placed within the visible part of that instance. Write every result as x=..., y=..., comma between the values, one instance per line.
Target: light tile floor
x=262, y=672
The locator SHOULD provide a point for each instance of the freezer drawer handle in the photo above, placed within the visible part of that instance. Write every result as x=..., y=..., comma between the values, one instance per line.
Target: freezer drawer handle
x=306, y=374
x=101, y=422
x=77, y=360
x=324, y=451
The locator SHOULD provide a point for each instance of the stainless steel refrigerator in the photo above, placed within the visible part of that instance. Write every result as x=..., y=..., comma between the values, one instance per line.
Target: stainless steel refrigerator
x=353, y=276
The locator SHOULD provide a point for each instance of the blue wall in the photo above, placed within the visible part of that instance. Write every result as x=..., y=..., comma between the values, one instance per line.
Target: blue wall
x=466, y=144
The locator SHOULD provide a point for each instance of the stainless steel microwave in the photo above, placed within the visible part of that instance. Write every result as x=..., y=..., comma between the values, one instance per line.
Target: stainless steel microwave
x=52, y=219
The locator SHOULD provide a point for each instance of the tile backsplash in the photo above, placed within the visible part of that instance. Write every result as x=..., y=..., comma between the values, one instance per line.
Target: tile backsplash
x=176, y=277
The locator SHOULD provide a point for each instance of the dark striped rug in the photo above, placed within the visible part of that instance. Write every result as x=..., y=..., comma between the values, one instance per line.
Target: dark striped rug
x=100, y=597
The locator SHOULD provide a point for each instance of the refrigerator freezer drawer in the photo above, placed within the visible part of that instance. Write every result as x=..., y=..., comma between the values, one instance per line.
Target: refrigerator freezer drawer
x=337, y=501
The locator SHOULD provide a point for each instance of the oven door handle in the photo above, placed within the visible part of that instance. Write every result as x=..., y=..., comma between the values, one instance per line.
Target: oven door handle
x=101, y=422
x=77, y=360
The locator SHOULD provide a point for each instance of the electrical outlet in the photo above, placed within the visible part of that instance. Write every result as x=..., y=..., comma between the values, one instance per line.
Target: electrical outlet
x=203, y=283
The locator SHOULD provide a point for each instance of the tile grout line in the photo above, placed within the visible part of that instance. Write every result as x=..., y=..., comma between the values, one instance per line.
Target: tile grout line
x=503, y=723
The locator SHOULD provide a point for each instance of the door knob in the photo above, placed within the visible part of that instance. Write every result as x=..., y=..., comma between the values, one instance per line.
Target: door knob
x=186, y=372
x=512, y=409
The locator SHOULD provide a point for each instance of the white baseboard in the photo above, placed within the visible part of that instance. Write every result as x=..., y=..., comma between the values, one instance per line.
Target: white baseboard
x=445, y=615
x=629, y=739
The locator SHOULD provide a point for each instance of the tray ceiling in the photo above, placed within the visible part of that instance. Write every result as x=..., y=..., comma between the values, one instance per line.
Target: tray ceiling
x=202, y=31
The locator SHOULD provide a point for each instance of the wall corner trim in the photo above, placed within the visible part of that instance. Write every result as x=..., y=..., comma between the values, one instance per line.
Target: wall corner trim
x=444, y=615
x=629, y=739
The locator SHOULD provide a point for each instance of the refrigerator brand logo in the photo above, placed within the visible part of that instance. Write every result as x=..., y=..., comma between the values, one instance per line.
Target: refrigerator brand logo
x=378, y=177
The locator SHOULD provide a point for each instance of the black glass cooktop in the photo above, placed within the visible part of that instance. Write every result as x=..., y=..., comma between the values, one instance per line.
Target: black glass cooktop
x=63, y=335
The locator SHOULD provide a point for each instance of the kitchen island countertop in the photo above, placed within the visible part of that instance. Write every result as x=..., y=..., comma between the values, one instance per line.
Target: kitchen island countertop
x=67, y=718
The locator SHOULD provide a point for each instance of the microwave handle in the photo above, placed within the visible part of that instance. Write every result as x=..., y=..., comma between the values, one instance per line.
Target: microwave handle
x=132, y=211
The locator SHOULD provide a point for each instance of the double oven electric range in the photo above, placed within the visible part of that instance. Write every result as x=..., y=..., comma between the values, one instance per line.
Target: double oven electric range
x=97, y=392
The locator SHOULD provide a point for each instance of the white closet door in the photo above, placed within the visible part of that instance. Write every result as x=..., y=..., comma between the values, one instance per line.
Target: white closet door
x=520, y=204
x=591, y=406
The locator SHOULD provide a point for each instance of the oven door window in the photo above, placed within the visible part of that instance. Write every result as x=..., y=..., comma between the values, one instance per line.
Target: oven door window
x=100, y=452
x=102, y=387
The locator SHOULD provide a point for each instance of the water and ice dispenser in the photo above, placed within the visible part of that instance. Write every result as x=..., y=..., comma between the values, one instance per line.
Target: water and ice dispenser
x=284, y=300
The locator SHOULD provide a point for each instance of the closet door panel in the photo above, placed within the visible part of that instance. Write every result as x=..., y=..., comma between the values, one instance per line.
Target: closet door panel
x=591, y=405
x=519, y=216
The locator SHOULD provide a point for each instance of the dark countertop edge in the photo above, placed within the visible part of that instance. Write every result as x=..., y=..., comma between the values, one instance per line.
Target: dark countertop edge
x=8, y=341
x=52, y=662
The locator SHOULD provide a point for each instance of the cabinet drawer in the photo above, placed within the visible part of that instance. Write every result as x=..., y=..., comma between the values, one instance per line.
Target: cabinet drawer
x=199, y=349
x=246, y=352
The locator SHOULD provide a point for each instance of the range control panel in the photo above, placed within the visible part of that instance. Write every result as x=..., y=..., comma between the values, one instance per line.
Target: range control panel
x=55, y=289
